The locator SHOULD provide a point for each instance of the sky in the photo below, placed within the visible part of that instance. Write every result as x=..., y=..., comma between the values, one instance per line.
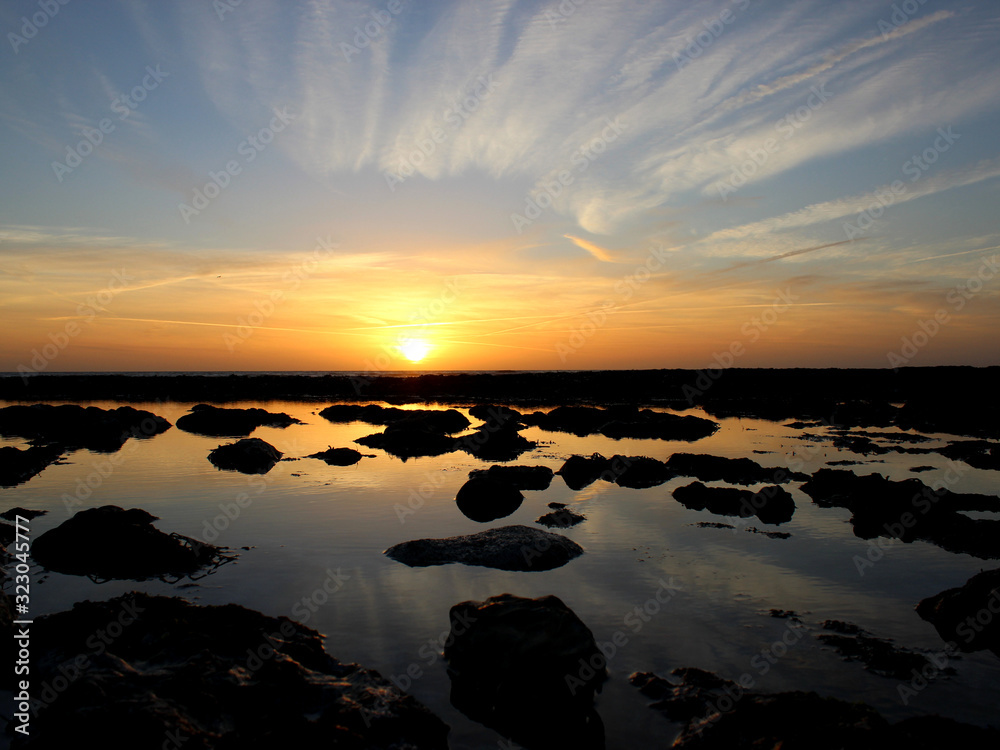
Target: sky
x=380, y=186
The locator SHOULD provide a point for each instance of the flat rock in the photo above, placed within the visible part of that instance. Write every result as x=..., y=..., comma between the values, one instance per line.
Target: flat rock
x=561, y=518
x=215, y=421
x=622, y=422
x=880, y=656
x=248, y=456
x=496, y=442
x=732, y=470
x=212, y=678
x=979, y=454
x=73, y=427
x=18, y=466
x=504, y=548
x=109, y=542
x=13, y=513
x=407, y=443
x=528, y=668
x=338, y=456
x=520, y=477
x=431, y=420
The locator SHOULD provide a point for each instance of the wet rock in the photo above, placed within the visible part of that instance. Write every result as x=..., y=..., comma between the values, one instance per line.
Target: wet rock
x=732, y=470
x=496, y=414
x=17, y=466
x=581, y=471
x=429, y=420
x=719, y=713
x=215, y=421
x=909, y=510
x=562, y=518
x=976, y=453
x=109, y=542
x=528, y=668
x=485, y=499
x=768, y=534
x=505, y=548
x=73, y=427
x=212, y=678
x=879, y=656
x=248, y=456
x=496, y=442
x=638, y=472
x=521, y=477
x=771, y=504
x=714, y=525
x=967, y=616
x=405, y=442
x=917, y=469
x=338, y=456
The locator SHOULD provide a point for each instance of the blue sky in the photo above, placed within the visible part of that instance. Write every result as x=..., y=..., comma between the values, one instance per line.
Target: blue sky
x=515, y=184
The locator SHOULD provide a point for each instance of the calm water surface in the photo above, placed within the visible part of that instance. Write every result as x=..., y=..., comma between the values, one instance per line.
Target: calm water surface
x=306, y=520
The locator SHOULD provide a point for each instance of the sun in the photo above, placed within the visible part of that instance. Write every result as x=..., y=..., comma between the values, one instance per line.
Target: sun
x=414, y=349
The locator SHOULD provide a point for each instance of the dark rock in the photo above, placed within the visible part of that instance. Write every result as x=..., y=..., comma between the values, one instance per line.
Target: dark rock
x=922, y=468
x=557, y=506
x=622, y=422
x=771, y=504
x=496, y=414
x=528, y=668
x=714, y=525
x=581, y=471
x=109, y=542
x=13, y=513
x=732, y=470
x=957, y=614
x=843, y=462
x=8, y=532
x=215, y=421
x=785, y=614
x=909, y=510
x=879, y=656
x=562, y=518
x=485, y=499
x=768, y=534
x=521, y=477
x=17, y=466
x=248, y=456
x=496, y=442
x=976, y=453
x=428, y=420
x=73, y=427
x=404, y=442
x=338, y=456
x=637, y=472
x=505, y=548
x=212, y=678
x=754, y=720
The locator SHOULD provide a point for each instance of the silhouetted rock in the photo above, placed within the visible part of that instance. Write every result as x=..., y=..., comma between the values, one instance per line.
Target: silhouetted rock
x=731, y=470
x=496, y=442
x=109, y=542
x=521, y=477
x=561, y=518
x=215, y=421
x=338, y=456
x=17, y=466
x=622, y=422
x=429, y=420
x=976, y=453
x=909, y=510
x=528, y=668
x=72, y=427
x=770, y=504
x=211, y=678
x=249, y=456
x=407, y=443
x=505, y=548
x=581, y=471
x=879, y=656
x=637, y=472
x=719, y=713
x=485, y=498
x=496, y=414
x=16, y=511
x=967, y=616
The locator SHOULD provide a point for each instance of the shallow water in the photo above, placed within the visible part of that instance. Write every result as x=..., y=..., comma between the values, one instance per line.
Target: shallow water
x=308, y=523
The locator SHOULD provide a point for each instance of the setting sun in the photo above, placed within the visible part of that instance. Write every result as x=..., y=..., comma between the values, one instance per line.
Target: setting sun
x=414, y=349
